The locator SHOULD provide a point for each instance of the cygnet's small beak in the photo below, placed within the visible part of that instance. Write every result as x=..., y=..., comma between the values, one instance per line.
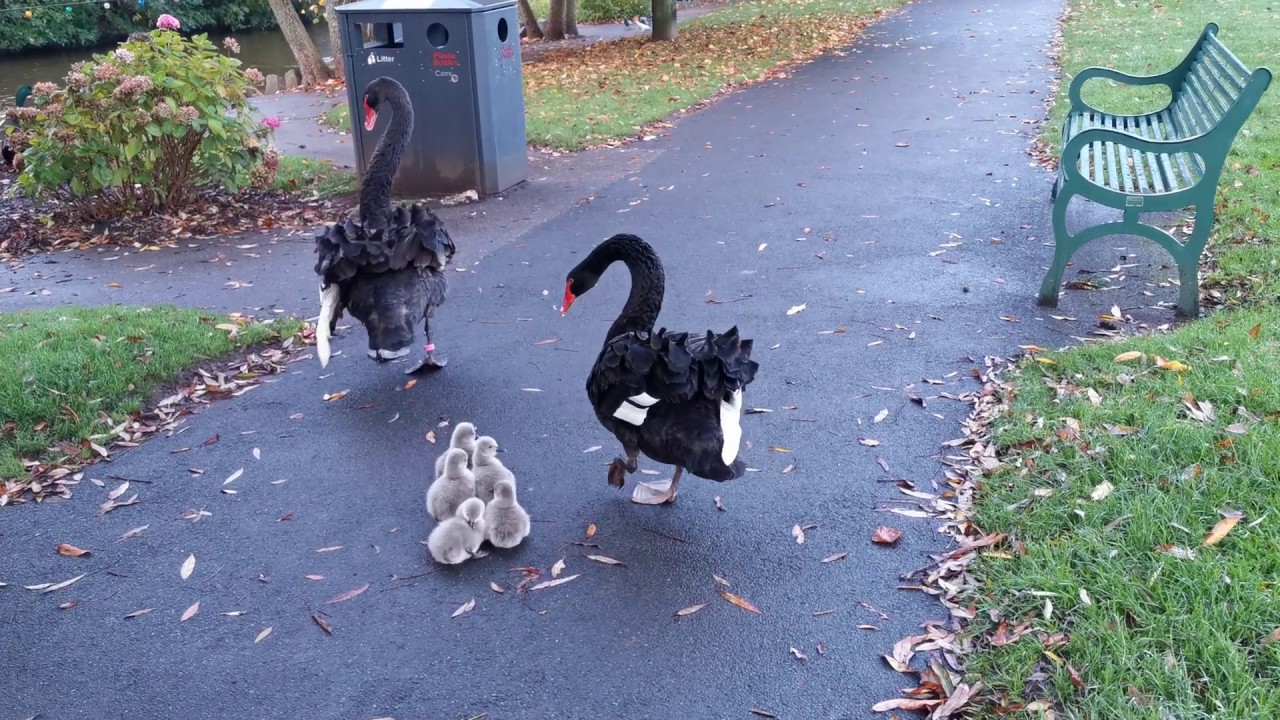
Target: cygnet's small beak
x=501, y=449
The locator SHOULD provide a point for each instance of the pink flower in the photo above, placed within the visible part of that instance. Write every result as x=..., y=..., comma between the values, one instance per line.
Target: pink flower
x=168, y=22
x=231, y=44
x=105, y=71
x=255, y=76
x=272, y=122
x=45, y=88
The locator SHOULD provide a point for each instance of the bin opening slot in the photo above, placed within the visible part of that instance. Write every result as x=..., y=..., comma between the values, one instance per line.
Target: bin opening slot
x=381, y=35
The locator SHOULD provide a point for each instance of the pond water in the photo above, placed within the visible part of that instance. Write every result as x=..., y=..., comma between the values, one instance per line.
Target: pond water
x=263, y=49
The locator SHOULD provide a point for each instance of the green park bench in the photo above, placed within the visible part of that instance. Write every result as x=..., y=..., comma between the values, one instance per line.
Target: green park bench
x=1160, y=161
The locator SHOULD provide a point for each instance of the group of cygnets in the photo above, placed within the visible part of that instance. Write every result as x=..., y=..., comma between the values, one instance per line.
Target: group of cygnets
x=473, y=499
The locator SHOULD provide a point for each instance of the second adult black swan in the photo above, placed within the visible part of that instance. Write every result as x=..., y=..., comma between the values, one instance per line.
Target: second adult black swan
x=388, y=269
x=677, y=397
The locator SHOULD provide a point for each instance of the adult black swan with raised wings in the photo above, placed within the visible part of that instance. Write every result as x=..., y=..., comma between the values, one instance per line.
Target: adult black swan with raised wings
x=677, y=397
x=387, y=269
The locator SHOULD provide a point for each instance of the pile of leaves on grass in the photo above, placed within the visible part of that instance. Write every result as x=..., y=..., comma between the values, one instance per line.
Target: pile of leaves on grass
x=81, y=384
x=53, y=226
x=604, y=92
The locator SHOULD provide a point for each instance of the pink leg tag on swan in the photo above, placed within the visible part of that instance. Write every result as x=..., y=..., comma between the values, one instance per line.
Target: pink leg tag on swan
x=429, y=347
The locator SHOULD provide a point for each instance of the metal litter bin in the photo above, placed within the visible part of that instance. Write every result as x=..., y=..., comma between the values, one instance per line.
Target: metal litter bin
x=460, y=62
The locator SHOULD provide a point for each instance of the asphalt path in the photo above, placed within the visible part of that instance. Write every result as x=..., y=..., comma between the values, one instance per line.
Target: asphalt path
x=873, y=220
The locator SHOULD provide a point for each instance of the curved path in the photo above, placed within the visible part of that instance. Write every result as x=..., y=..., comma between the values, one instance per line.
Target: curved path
x=892, y=187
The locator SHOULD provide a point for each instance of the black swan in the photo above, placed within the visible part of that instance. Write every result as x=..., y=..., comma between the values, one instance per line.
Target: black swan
x=388, y=269
x=677, y=397
x=7, y=153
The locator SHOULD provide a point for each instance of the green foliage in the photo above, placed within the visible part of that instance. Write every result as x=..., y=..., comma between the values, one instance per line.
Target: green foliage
x=50, y=26
x=600, y=10
x=141, y=129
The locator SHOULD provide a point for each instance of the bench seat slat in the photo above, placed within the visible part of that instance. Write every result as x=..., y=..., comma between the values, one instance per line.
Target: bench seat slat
x=1130, y=126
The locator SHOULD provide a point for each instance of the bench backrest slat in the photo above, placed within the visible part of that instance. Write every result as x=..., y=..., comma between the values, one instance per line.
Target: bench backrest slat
x=1216, y=85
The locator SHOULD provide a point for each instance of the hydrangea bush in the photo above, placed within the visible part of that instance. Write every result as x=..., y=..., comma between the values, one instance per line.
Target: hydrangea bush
x=143, y=128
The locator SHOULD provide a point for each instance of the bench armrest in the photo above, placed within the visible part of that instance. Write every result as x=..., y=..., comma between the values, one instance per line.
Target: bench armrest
x=1170, y=80
x=1199, y=145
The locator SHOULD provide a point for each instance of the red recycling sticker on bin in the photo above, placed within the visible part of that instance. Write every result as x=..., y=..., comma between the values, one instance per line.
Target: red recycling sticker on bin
x=444, y=59
x=507, y=52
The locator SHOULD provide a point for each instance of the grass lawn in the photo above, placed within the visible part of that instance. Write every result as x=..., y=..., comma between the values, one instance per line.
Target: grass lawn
x=1116, y=472
x=610, y=90
x=309, y=177
x=72, y=374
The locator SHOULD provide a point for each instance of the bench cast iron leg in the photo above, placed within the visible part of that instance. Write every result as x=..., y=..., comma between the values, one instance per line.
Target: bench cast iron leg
x=1063, y=248
x=1189, y=261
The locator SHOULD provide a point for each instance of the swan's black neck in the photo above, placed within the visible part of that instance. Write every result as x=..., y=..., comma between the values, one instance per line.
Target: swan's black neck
x=375, y=186
x=648, y=281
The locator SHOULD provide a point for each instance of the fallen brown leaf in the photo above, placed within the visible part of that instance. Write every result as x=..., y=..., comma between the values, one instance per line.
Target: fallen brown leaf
x=591, y=530
x=552, y=583
x=496, y=587
x=885, y=535
x=324, y=624
x=605, y=559
x=190, y=612
x=1229, y=520
x=686, y=612
x=557, y=568
x=262, y=635
x=188, y=567
x=345, y=596
x=70, y=550
x=797, y=654
x=740, y=602
x=835, y=557
x=464, y=608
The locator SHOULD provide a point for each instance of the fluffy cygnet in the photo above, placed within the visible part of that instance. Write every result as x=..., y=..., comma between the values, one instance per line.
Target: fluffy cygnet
x=451, y=488
x=506, y=523
x=458, y=538
x=463, y=437
x=488, y=469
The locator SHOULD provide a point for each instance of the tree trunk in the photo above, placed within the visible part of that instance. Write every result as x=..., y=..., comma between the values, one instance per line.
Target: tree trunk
x=304, y=51
x=571, y=18
x=335, y=38
x=555, y=21
x=532, y=29
x=664, y=19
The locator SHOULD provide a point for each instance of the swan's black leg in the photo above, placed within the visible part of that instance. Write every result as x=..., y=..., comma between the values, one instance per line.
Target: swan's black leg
x=430, y=361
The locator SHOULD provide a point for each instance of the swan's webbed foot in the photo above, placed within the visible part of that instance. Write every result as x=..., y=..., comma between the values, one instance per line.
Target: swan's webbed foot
x=431, y=361
x=617, y=473
x=657, y=493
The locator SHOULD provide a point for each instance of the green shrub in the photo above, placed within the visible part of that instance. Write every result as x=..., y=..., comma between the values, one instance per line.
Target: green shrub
x=601, y=10
x=143, y=128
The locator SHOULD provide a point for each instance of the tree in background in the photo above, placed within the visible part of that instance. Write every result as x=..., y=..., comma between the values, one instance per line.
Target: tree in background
x=562, y=20
x=313, y=69
x=664, y=19
x=532, y=29
x=335, y=38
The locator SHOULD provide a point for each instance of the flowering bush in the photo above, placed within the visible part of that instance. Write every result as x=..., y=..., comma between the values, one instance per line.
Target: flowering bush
x=142, y=128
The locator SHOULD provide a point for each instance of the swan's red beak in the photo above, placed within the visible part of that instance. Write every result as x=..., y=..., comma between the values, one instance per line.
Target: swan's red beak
x=370, y=116
x=569, y=297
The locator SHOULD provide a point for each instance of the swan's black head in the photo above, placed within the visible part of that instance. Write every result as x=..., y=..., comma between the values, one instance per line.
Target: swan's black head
x=375, y=94
x=580, y=280
x=623, y=246
x=390, y=326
